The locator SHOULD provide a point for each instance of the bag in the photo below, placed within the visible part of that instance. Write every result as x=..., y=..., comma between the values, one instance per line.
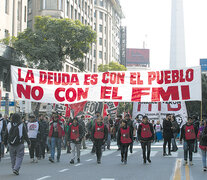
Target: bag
x=14, y=138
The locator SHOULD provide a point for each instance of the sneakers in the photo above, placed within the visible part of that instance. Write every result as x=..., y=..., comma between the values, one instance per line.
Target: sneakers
x=205, y=169
x=164, y=154
x=191, y=163
x=144, y=161
x=148, y=159
x=185, y=163
x=16, y=172
x=122, y=160
x=78, y=160
x=32, y=160
x=35, y=160
x=51, y=160
x=125, y=161
x=72, y=161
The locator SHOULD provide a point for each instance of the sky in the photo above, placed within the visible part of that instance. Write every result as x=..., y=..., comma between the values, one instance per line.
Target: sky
x=150, y=21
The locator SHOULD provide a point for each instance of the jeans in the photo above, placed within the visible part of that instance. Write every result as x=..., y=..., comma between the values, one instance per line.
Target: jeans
x=174, y=145
x=34, y=148
x=43, y=146
x=98, y=144
x=73, y=147
x=167, y=140
x=124, y=151
x=55, y=142
x=108, y=142
x=188, y=147
x=16, y=155
x=204, y=157
x=146, y=145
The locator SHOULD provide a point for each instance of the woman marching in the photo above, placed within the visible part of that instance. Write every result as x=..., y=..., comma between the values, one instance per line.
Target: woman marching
x=202, y=135
x=124, y=139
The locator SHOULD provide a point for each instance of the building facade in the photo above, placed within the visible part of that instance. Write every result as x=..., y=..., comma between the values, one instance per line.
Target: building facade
x=13, y=15
x=104, y=16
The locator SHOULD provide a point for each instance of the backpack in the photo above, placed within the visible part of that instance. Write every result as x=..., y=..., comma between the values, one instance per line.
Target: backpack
x=14, y=138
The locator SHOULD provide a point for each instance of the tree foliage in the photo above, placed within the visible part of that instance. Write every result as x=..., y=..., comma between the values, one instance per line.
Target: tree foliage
x=112, y=66
x=52, y=40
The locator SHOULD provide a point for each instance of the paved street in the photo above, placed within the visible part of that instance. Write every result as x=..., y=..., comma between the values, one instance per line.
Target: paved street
x=162, y=168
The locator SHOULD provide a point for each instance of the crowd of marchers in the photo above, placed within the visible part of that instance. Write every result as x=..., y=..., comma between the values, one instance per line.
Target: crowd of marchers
x=44, y=134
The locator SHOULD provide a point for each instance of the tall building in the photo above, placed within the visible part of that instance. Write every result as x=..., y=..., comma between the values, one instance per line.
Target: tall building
x=177, y=46
x=13, y=20
x=104, y=16
x=13, y=17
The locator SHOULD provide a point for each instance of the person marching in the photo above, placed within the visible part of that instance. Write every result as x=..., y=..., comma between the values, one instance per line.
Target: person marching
x=202, y=136
x=2, y=132
x=158, y=131
x=124, y=139
x=15, y=135
x=34, y=136
x=75, y=136
x=146, y=137
x=130, y=123
x=56, y=133
x=99, y=136
x=167, y=134
x=188, y=133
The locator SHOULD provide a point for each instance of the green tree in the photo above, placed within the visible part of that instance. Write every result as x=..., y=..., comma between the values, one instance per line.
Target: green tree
x=53, y=40
x=112, y=66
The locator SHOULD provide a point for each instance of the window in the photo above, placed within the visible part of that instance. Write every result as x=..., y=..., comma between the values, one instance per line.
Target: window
x=6, y=33
x=100, y=28
x=52, y=4
x=29, y=8
x=94, y=53
x=75, y=14
x=7, y=6
x=100, y=41
x=95, y=2
x=71, y=12
x=105, y=55
x=100, y=54
x=19, y=11
x=94, y=26
x=25, y=14
x=95, y=14
x=67, y=9
x=79, y=16
x=101, y=3
x=100, y=15
x=67, y=68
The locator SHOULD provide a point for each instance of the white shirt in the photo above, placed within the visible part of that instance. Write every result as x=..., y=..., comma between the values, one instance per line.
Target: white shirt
x=32, y=129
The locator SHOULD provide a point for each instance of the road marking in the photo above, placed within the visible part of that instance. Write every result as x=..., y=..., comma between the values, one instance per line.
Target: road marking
x=63, y=170
x=85, y=152
x=45, y=177
x=187, y=172
x=177, y=172
x=153, y=153
x=78, y=164
x=89, y=160
x=196, y=155
x=6, y=158
x=106, y=153
x=174, y=154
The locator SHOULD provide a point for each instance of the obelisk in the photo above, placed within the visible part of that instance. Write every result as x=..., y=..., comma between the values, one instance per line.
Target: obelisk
x=177, y=44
